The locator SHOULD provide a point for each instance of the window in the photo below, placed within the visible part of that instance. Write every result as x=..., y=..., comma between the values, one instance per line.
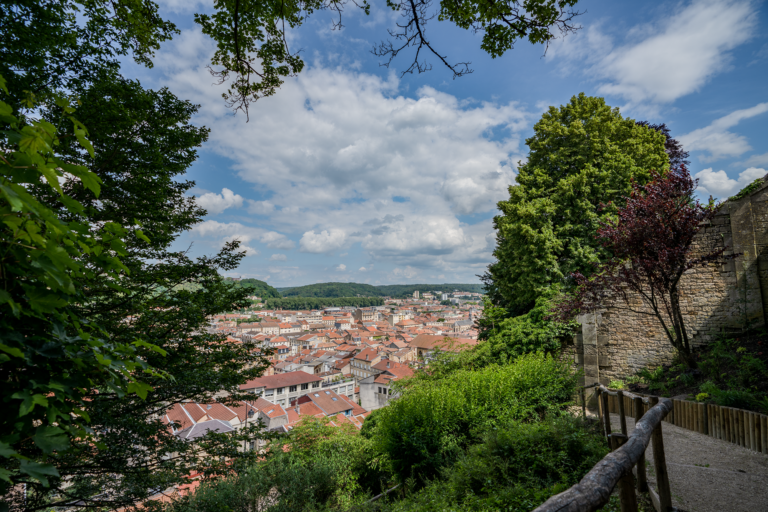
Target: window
x=379, y=389
x=280, y=391
x=315, y=385
x=292, y=389
x=304, y=386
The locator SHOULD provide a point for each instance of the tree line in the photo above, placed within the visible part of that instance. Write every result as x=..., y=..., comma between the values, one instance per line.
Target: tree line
x=322, y=302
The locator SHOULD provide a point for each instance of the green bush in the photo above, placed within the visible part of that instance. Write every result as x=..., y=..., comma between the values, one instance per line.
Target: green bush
x=433, y=421
x=729, y=397
x=516, y=467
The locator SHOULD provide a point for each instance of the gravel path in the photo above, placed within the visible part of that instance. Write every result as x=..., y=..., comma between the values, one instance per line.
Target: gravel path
x=709, y=475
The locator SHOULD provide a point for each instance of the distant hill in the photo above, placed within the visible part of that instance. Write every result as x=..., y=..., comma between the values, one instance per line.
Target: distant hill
x=367, y=290
x=260, y=288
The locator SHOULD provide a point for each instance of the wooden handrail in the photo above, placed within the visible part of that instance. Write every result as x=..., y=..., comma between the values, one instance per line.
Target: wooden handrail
x=594, y=490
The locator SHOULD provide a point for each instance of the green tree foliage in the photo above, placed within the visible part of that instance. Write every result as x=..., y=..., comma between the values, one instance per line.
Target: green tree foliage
x=320, y=303
x=318, y=466
x=439, y=415
x=515, y=466
x=367, y=290
x=164, y=298
x=507, y=337
x=258, y=288
x=582, y=155
x=52, y=356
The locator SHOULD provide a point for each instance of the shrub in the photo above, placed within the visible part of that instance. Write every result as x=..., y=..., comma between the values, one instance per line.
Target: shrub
x=429, y=425
x=729, y=397
x=516, y=467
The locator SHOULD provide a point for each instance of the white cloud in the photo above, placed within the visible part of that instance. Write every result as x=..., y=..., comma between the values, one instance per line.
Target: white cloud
x=260, y=207
x=342, y=149
x=756, y=160
x=341, y=268
x=719, y=185
x=716, y=140
x=325, y=241
x=362, y=269
x=216, y=203
x=278, y=257
x=668, y=59
x=223, y=232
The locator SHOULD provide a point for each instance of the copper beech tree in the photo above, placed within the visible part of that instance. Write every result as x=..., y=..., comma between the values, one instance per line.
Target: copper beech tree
x=651, y=240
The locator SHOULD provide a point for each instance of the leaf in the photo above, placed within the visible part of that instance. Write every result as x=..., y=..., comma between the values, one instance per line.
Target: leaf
x=140, y=234
x=38, y=471
x=29, y=401
x=50, y=439
x=80, y=134
x=150, y=346
x=3, y=86
x=6, y=450
x=44, y=301
x=15, y=352
x=140, y=388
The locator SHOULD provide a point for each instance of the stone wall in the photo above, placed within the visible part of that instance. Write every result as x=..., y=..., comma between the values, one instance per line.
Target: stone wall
x=615, y=342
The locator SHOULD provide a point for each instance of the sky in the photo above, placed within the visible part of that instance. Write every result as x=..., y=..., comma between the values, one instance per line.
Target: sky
x=354, y=172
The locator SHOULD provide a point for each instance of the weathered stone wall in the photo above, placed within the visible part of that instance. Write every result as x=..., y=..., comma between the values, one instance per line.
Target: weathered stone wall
x=617, y=342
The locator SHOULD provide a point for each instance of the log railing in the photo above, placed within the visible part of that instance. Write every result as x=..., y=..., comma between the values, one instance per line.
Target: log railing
x=594, y=490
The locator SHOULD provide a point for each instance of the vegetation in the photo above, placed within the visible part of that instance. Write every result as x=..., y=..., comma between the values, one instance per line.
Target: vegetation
x=651, y=241
x=494, y=439
x=582, y=155
x=320, y=303
x=748, y=189
x=732, y=371
x=367, y=290
x=257, y=288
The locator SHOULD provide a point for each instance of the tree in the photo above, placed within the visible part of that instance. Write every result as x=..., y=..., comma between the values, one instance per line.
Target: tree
x=581, y=155
x=650, y=240
x=53, y=357
x=143, y=143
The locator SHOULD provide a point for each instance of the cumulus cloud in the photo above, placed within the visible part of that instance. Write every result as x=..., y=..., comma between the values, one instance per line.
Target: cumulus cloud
x=668, y=59
x=716, y=140
x=278, y=257
x=216, y=203
x=718, y=184
x=391, y=170
x=228, y=231
x=341, y=268
x=362, y=269
x=325, y=241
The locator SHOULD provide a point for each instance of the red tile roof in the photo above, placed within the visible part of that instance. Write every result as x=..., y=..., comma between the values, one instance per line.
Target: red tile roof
x=280, y=380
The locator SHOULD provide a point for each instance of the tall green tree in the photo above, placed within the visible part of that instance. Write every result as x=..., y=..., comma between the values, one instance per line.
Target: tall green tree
x=582, y=155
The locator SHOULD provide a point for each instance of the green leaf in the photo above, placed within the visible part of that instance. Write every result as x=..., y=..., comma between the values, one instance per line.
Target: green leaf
x=140, y=234
x=15, y=352
x=140, y=388
x=150, y=346
x=50, y=439
x=38, y=471
x=44, y=301
x=80, y=134
x=6, y=450
x=3, y=86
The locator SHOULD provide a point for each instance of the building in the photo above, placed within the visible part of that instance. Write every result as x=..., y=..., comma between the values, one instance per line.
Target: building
x=426, y=344
x=362, y=363
x=281, y=388
x=416, y=294
x=365, y=315
x=375, y=391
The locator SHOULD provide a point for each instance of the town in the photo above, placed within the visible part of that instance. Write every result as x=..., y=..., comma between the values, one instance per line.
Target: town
x=337, y=363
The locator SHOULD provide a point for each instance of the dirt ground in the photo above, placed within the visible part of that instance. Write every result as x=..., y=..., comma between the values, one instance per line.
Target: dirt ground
x=707, y=474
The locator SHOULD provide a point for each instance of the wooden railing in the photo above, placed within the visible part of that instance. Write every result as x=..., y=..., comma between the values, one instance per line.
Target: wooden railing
x=744, y=428
x=628, y=452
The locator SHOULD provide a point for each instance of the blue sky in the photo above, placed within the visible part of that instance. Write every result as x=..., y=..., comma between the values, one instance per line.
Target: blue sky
x=354, y=173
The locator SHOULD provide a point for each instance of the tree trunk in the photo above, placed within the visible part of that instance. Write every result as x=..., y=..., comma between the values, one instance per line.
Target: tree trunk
x=681, y=334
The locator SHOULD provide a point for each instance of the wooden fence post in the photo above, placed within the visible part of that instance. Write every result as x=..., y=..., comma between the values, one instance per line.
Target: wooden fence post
x=642, y=480
x=622, y=418
x=764, y=432
x=606, y=417
x=627, y=496
x=739, y=426
x=703, y=424
x=660, y=464
x=752, y=436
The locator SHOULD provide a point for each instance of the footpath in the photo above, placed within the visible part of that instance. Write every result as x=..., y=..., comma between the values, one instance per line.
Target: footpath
x=707, y=474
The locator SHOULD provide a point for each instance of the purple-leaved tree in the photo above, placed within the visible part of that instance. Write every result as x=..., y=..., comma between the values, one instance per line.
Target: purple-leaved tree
x=651, y=240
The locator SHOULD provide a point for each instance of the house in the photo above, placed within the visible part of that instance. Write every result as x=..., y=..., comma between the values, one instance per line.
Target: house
x=363, y=362
x=283, y=387
x=426, y=344
x=365, y=315
x=270, y=328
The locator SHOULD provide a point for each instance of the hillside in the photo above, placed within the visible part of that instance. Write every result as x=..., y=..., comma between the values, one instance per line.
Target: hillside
x=367, y=290
x=259, y=288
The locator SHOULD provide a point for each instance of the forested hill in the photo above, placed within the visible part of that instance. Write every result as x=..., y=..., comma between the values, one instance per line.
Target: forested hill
x=260, y=288
x=367, y=290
